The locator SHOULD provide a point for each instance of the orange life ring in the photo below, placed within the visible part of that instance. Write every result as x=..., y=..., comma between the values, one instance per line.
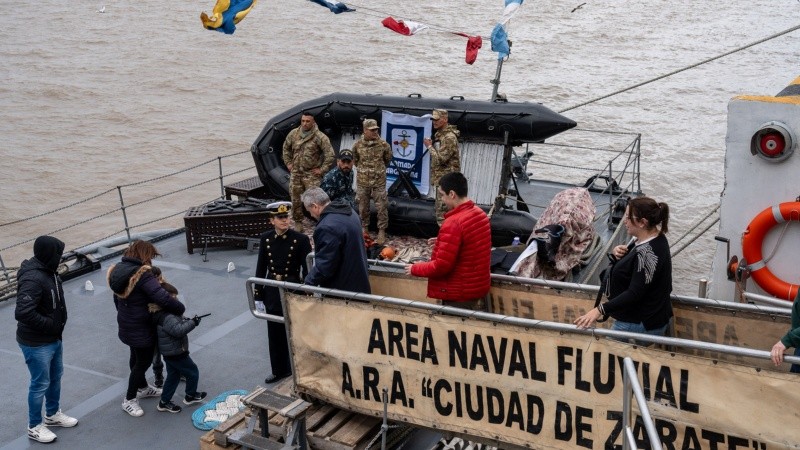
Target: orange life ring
x=752, y=240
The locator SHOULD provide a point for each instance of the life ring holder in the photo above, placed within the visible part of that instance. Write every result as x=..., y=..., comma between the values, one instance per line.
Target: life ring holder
x=752, y=241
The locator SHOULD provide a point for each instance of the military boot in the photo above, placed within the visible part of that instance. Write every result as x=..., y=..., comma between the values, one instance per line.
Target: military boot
x=381, y=237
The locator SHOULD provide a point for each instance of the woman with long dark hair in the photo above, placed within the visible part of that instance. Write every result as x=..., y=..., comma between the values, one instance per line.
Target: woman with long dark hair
x=135, y=286
x=639, y=284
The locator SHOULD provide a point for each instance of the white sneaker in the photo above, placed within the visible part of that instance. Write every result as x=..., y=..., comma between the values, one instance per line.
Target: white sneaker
x=149, y=391
x=59, y=419
x=132, y=407
x=41, y=433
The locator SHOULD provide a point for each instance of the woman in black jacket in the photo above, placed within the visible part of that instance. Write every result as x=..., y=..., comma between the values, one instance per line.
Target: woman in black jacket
x=135, y=286
x=639, y=284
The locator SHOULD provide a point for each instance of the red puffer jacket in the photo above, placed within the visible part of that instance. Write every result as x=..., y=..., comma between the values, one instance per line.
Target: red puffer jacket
x=459, y=269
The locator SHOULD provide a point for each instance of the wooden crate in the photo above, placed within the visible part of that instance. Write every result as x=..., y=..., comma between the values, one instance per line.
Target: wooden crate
x=251, y=187
x=230, y=229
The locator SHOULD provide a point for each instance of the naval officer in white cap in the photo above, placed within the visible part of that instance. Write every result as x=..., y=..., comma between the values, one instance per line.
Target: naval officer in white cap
x=281, y=256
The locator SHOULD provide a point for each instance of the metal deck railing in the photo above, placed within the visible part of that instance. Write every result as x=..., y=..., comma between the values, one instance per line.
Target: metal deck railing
x=119, y=213
x=607, y=162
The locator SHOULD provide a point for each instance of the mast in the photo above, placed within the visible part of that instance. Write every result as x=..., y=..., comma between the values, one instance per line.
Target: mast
x=496, y=80
x=505, y=174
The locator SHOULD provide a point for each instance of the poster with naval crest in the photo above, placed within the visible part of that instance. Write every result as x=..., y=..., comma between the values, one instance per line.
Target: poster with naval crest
x=405, y=133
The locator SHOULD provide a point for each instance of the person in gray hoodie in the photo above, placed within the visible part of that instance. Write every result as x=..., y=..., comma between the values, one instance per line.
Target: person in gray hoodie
x=173, y=343
x=41, y=315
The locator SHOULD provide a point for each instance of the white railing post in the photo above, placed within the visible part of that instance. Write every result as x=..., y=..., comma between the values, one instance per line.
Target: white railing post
x=631, y=384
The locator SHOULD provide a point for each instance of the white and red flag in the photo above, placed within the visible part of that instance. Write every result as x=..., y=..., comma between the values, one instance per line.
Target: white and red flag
x=404, y=27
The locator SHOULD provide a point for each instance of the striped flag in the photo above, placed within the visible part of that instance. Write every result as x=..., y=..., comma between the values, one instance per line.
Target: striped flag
x=404, y=27
x=500, y=34
x=511, y=8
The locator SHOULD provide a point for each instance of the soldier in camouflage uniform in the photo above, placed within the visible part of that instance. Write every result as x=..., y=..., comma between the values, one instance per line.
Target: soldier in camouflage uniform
x=308, y=154
x=445, y=156
x=338, y=182
x=372, y=157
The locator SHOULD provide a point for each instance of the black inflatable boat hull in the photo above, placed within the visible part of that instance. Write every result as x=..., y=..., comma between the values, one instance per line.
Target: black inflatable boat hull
x=414, y=217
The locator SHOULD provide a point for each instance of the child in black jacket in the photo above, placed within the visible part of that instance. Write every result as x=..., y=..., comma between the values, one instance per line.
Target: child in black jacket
x=173, y=343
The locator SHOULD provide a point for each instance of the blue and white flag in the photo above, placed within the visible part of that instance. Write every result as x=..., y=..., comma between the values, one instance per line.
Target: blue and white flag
x=500, y=42
x=510, y=9
x=335, y=7
x=500, y=33
x=405, y=133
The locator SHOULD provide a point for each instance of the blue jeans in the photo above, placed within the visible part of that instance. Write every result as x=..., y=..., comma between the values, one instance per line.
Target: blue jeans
x=638, y=328
x=182, y=365
x=46, y=365
x=795, y=367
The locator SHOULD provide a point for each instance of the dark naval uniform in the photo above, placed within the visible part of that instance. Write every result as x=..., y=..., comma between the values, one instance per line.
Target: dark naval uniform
x=282, y=258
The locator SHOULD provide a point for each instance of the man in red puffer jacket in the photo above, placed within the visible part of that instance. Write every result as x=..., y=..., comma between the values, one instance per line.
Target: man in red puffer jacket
x=459, y=270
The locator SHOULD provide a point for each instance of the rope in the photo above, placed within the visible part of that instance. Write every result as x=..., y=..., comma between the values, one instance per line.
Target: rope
x=692, y=66
x=169, y=174
x=172, y=192
x=58, y=209
x=697, y=224
x=382, y=15
x=777, y=244
x=676, y=252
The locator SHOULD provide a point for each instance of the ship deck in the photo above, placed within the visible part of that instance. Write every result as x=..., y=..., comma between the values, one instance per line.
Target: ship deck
x=229, y=347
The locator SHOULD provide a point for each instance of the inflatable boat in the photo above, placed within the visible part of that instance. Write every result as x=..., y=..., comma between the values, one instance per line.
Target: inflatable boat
x=339, y=115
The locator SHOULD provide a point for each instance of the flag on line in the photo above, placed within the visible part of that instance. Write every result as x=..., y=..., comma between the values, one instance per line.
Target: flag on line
x=335, y=7
x=404, y=27
x=226, y=14
x=474, y=43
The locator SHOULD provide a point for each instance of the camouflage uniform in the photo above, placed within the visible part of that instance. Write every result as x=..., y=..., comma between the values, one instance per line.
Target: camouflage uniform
x=371, y=159
x=306, y=151
x=339, y=185
x=445, y=158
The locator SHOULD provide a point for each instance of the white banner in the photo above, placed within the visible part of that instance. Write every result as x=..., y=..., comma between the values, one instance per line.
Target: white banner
x=529, y=387
x=405, y=133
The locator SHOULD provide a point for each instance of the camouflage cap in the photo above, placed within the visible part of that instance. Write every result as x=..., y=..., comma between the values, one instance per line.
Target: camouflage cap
x=280, y=209
x=438, y=114
x=345, y=154
x=370, y=124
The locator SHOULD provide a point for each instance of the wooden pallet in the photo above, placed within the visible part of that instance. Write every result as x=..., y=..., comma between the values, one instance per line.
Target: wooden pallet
x=216, y=439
